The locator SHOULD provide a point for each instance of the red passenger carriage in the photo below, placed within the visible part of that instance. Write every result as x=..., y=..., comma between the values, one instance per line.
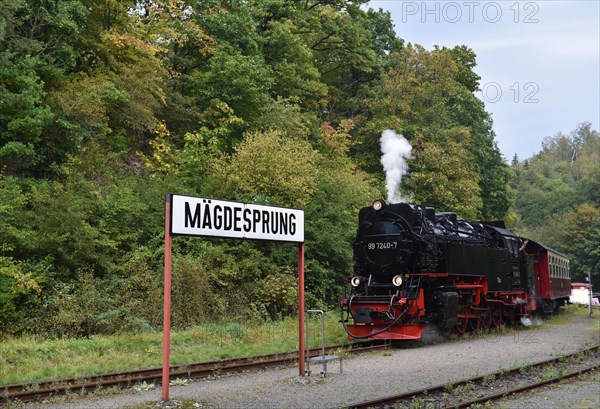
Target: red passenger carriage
x=552, y=278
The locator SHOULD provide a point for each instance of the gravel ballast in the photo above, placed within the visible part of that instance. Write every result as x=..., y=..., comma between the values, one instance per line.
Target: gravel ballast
x=377, y=374
x=581, y=394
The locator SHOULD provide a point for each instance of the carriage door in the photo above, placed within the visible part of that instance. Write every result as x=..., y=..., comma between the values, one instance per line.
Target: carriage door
x=529, y=270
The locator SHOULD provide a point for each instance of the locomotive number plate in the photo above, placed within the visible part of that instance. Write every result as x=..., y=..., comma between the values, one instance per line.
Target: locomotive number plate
x=382, y=245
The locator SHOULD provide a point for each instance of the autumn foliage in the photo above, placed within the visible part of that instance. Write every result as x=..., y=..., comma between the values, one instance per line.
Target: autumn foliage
x=106, y=106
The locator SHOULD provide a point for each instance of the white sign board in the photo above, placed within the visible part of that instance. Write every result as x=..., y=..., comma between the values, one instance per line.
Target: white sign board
x=197, y=216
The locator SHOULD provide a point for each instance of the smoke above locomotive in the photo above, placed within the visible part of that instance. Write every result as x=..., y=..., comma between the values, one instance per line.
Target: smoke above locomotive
x=396, y=150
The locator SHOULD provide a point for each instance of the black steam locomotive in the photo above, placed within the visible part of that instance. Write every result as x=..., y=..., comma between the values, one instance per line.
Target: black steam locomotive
x=415, y=268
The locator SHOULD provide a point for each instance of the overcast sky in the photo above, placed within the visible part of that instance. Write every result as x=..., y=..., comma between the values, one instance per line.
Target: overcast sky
x=539, y=61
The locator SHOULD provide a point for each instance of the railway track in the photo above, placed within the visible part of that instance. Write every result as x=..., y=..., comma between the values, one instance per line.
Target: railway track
x=481, y=389
x=43, y=390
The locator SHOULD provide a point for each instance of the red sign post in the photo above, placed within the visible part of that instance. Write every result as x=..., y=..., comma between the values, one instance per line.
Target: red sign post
x=301, y=347
x=166, y=364
x=196, y=216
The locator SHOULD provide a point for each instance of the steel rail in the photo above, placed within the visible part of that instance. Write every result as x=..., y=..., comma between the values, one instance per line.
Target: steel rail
x=36, y=391
x=524, y=388
x=391, y=399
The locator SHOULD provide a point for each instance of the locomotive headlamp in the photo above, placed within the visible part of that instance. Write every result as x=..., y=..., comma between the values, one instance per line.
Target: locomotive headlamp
x=397, y=280
x=355, y=281
x=378, y=205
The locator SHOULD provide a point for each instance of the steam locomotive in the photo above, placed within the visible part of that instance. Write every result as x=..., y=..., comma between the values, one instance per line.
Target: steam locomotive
x=415, y=269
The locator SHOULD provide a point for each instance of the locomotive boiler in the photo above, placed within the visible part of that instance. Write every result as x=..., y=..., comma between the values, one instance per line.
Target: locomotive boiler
x=416, y=269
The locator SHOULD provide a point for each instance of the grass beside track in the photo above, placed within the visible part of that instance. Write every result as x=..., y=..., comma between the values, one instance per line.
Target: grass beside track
x=31, y=359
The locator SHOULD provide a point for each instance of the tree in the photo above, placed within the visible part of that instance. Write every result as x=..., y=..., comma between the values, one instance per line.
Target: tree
x=441, y=176
x=557, y=197
x=279, y=170
x=247, y=95
x=342, y=189
x=424, y=98
x=563, y=174
x=118, y=101
x=37, y=50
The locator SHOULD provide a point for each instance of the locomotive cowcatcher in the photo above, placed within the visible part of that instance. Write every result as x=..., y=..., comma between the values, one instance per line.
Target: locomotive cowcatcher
x=415, y=269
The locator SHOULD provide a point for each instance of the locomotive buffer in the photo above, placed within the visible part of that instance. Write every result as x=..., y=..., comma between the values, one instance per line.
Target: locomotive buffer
x=320, y=359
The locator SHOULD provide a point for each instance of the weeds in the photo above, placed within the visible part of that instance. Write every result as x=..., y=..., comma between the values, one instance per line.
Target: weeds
x=216, y=374
x=417, y=403
x=489, y=380
x=184, y=404
x=468, y=389
x=179, y=382
x=28, y=359
x=15, y=404
x=504, y=372
x=143, y=387
x=577, y=358
x=550, y=373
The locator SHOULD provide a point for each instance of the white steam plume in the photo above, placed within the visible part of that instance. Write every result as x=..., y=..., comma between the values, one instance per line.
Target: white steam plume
x=396, y=150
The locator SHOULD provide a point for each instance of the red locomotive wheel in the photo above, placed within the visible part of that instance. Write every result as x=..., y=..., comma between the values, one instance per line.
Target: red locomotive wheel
x=486, y=319
x=461, y=326
x=475, y=324
x=497, y=316
x=510, y=318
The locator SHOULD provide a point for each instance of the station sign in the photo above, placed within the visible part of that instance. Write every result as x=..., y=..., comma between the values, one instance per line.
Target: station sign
x=197, y=216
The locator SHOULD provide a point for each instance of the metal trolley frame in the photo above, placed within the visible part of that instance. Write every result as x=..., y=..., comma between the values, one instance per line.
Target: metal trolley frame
x=322, y=359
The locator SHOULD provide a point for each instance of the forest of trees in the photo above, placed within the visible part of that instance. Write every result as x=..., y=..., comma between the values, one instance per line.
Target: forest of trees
x=558, y=198
x=106, y=106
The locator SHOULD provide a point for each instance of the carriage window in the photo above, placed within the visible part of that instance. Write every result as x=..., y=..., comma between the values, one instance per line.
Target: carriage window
x=560, y=268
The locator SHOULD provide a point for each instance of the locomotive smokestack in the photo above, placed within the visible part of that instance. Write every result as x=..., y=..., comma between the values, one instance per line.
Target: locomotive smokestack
x=396, y=150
